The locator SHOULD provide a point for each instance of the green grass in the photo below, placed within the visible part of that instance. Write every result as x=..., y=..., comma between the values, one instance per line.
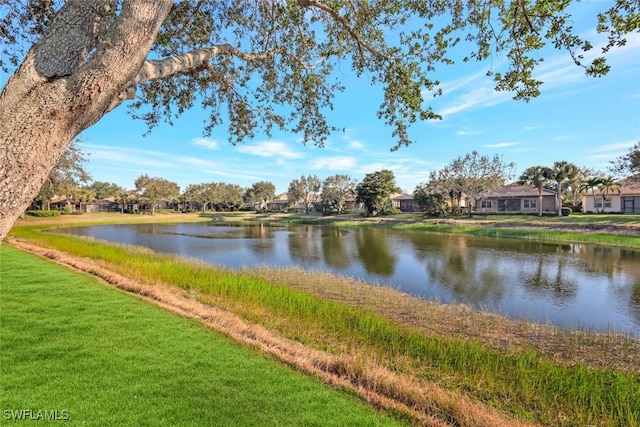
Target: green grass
x=101, y=357
x=526, y=383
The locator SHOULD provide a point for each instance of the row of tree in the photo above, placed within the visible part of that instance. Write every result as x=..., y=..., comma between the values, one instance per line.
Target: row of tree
x=472, y=175
x=467, y=176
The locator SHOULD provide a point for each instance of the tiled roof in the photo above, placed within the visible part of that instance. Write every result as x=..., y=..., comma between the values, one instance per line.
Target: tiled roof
x=515, y=191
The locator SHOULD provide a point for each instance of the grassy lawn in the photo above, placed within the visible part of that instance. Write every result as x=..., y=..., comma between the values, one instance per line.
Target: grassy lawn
x=522, y=383
x=99, y=356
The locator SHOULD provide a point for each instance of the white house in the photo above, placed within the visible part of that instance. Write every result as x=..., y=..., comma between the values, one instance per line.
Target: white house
x=626, y=201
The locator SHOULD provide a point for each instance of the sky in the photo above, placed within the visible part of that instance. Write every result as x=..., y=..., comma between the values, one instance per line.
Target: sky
x=584, y=120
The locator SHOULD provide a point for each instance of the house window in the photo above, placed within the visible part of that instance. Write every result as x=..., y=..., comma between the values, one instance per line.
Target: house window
x=529, y=204
x=607, y=203
x=486, y=204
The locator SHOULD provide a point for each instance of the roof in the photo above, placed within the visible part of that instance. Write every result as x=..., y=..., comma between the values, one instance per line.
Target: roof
x=630, y=185
x=401, y=197
x=515, y=191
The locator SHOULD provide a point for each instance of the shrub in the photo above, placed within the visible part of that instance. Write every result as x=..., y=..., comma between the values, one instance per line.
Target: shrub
x=44, y=213
x=566, y=211
x=66, y=210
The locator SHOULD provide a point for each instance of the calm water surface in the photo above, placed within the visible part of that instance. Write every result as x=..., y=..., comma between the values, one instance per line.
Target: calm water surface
x=564, y=284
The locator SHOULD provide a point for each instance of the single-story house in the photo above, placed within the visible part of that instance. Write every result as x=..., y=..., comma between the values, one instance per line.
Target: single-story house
x=626, y=201
x=279, y=204
x=404, y=202
x=516, y=198
x=99, y=205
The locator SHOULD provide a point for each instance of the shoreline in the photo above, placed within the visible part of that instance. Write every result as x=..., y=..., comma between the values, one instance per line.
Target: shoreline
x=495, y=330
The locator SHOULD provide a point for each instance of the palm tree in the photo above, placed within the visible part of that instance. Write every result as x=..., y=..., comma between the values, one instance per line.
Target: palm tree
x=607, y=184
x=590, y=184
x=536, y=176
x=559, y=173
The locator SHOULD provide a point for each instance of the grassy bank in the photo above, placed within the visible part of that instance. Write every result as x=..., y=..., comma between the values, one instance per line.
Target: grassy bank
x=95, y=356
x=520, y=382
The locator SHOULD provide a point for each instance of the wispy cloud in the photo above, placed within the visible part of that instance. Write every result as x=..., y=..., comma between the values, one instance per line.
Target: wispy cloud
x=355, y=145
x=502, y=145
x=270, y=149
x=558, y=72
x=616, y=146
x=206, y=143
x=131, y=156
x=468, y=132
x=333, y=163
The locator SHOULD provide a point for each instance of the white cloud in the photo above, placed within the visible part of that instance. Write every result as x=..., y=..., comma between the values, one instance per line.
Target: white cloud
x=206, y=143
x=333, y=163
x=468, y=132
x=130, y=156
x=501, y=145
x=355, y=145
x=616, y=146
x=270, y=149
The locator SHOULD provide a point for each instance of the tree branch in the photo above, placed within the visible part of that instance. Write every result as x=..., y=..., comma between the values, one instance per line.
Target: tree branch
x=353, y=33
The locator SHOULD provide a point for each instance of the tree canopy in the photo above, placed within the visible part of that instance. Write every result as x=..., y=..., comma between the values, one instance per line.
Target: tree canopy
x=254, y=64
x=628, y=164
x=375, y=191
x=471, y=175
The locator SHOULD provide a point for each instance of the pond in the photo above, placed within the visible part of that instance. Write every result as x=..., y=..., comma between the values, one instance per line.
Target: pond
x=569, y=285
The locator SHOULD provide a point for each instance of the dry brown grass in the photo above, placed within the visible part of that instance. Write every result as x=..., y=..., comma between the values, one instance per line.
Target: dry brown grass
x=601, y=350
x=423, y=403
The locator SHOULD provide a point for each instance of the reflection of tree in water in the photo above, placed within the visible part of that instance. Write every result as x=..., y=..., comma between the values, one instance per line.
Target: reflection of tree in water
x=304, y=245
x=634, y=301
x=543, y=281
x=261, y=238
x=374, y=252
x=456, y=267
x=607, y=260
x=333, y=247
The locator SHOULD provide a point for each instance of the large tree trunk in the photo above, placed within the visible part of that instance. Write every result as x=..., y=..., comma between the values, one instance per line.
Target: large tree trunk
x=70, y=78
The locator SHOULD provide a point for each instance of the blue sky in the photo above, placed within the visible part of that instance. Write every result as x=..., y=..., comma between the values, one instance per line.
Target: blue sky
x=577, y=118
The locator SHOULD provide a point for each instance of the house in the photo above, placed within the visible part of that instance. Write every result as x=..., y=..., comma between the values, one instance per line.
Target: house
x=627, y=201
x=99, y=205
x=516, y=198
x=280, y=204
x=404, y=202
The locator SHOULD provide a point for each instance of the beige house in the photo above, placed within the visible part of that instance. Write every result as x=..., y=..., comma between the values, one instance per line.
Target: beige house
x=404, y=202
x=627, y=201
x=516, y=198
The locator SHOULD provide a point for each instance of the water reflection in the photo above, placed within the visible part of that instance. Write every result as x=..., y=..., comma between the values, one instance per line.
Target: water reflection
x=334, y=248
x=374, y=252
x=547, y=279
x=571, y=285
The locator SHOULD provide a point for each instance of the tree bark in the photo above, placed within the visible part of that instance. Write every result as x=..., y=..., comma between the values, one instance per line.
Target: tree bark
x=69, y=79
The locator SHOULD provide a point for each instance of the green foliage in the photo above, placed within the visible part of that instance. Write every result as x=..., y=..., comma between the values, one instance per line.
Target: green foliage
x=433, y=204
x=104, y=190
x=336, y=191
x=375, y=191
x=628, y=164
x=276, y=64
x=471, y=175
x=259, y=194
x=156, y=189
x=305, y=190
x=44, y=214
x=567, y=211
